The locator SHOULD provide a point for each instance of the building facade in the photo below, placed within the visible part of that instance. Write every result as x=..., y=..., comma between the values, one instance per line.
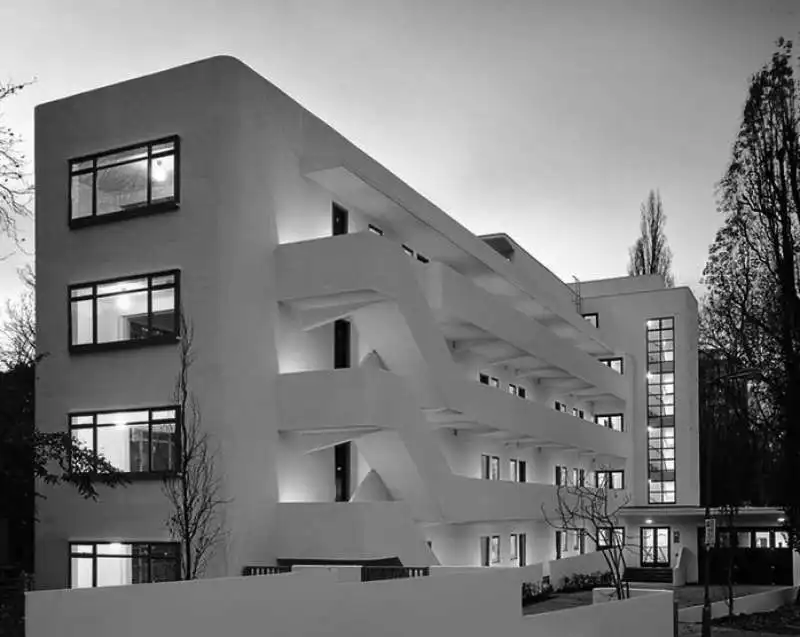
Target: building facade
x=381, y=382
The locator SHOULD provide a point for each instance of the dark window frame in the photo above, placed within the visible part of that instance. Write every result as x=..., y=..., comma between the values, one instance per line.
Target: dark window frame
x=612, y=531
x=94, y=556
x=609, y=361
x=340, y=219
x=164, y=339
x=138, y=211
x=133, y=475
x=661, y=430
x=592, y=315
x=609, y=478
x=621, y=416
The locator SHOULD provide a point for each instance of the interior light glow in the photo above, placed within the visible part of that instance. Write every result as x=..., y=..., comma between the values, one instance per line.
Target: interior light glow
x=648, y=521
x=158, y=171
x=124, y=302
x=781, y=520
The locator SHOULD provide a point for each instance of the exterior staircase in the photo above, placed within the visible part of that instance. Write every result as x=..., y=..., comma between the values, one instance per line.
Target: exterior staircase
x=648, y=575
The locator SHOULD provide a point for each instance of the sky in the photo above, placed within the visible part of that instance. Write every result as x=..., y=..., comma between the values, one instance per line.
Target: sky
x=546, y=119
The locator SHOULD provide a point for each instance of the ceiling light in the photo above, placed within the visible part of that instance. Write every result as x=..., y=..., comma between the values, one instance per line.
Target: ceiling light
x=124, y=302
x=781, y=520
x=648, y=521
x=158, y=171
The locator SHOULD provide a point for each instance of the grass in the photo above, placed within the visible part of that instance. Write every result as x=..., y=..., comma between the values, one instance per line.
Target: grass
x=781, y=621
x=685, y=596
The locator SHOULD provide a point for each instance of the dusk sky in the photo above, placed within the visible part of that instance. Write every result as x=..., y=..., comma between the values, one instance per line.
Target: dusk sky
x=550, y=121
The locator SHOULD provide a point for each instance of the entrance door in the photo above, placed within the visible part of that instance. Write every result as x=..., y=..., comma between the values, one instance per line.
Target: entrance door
x=654, y=546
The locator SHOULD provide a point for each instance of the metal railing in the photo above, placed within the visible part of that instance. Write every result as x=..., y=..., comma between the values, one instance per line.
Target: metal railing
x=265, y=570
x=375, y=573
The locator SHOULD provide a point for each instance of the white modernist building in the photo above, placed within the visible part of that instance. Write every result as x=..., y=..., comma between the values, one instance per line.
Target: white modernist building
x=381, y=382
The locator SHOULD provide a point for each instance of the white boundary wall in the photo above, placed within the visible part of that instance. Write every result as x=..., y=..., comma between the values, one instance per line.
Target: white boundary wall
x=315, y=603
x=588, y=563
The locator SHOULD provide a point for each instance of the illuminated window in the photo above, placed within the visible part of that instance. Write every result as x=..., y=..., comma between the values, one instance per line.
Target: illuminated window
x=492, y=381
x=612, y=421
x=95, y=564
x=607, y=535
x=490, y=467
x=613, y=363
x=661, y=410
x=137, y=441
x=592, y=319
x=126, y=182
x=609, y=479
x=559, y=406
x=141, y=310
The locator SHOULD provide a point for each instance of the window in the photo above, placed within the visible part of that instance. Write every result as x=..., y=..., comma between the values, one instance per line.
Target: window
x=117, y=564
x=661, y=410
x=613, y=363
x=422, y=259
x=561, y=544
x=517, y=390
x=762, y=539
x=612, y=421
x=560, y=406
x=139, y=310
x=582, y=541
x=518, y=470
x=576, y=477
x=513, y=545
x=494, y=549
x=609, y=479
x=342, y=343
x=122, y=183
x=137, y=441
x=408, y=250
x=607, y=534
x=490, y=467
x=592, y=319
x=340, y=220
x=492, y=381
x=561, y=476
x=375, y=230
x=578, y=413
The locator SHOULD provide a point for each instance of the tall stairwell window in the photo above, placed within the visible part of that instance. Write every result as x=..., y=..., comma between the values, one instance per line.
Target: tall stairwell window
x=341, y=454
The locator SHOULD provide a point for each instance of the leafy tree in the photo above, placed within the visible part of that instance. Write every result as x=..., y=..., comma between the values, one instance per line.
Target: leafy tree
x=650, y=254
x=753, y=270
x=195, y=493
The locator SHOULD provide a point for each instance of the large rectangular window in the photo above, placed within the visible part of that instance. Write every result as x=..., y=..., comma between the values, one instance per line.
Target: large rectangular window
x=606, y=535
x=609, y=479
x=612, y=421
x=126, y=182
x=136, y=441
x=661, y=410
x=137, y=310
x=119, y=563
x=614, y=363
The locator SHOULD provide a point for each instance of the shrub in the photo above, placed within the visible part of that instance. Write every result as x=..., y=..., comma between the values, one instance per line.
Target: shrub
x=533, y=592
x=584, y=581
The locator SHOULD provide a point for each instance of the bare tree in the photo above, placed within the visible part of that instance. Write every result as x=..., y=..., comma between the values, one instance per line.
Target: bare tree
x=18, y=331
x=650, y=254
x=594, y=512
x=195, y=490
x=15, y=192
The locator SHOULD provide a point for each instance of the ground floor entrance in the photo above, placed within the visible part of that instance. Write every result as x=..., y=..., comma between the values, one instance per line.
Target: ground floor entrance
x=752, y=555
x=654, y=546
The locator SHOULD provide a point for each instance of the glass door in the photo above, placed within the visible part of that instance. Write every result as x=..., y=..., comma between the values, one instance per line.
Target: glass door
x=655, y=546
